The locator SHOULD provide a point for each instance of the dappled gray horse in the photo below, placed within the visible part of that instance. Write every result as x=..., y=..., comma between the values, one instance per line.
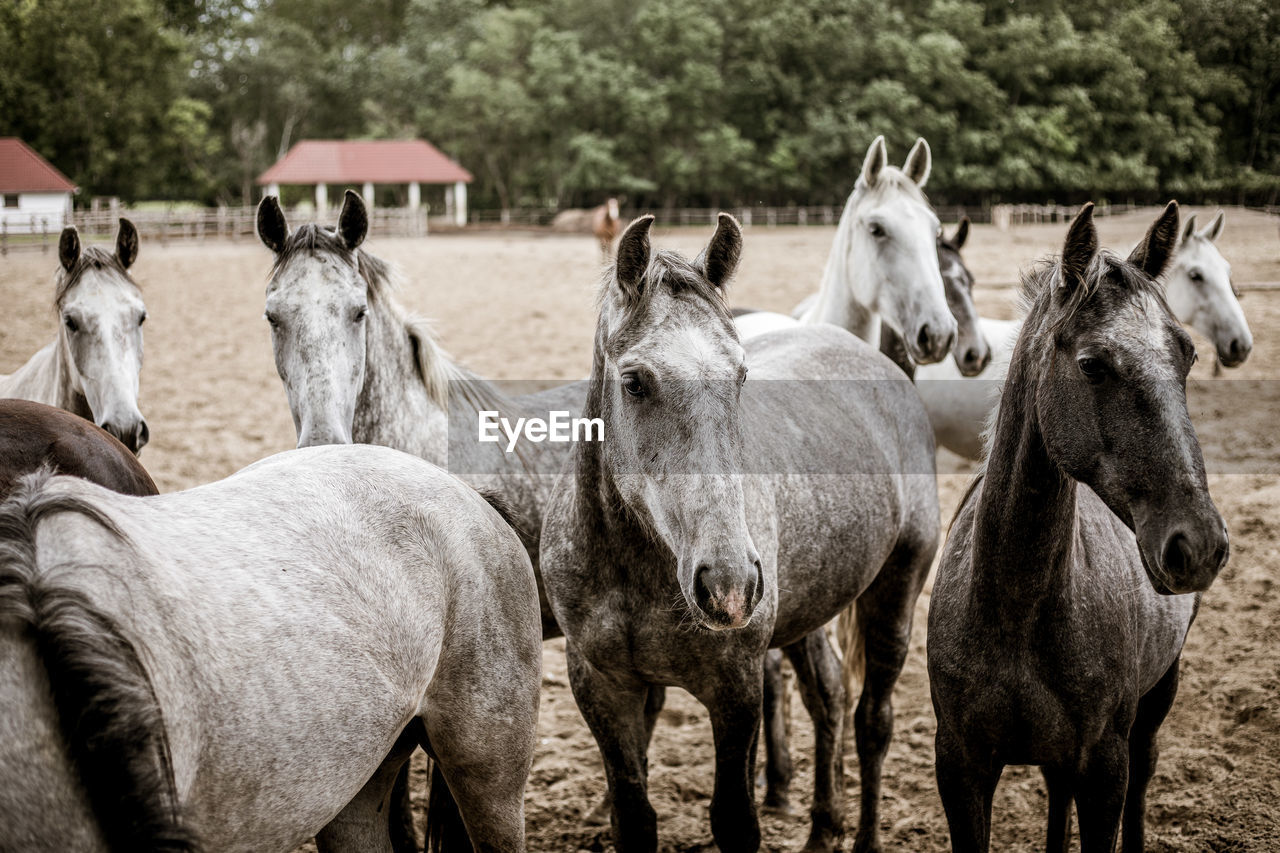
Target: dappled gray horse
x=358, y=368
x=91, y=368
x=1073, y=568
x=248, y=664
x=666, y=564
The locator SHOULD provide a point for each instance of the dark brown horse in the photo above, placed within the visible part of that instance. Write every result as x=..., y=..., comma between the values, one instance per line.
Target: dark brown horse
x=33, y=434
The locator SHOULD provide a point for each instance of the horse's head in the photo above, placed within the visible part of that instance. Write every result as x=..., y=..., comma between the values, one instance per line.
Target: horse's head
x=102, y=314
x=971, y=350
x=1110, y=398
x=668, y=374
x=317, y=305
x=1201, y=295
x=890, y=257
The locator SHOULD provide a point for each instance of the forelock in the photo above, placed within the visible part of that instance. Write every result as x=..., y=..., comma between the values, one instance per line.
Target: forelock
x=311, y=240
x=92, y=258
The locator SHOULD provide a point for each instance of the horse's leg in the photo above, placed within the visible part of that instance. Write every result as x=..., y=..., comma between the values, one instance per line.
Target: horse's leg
x=615, y=713
x=735, y=708
x=1058, y=836
x=656, y=698
x=885, y=610
x=1143, y=751
x=1099, y=793
x=777, y=768
x=822, y=689
x=966, y=793
x=404, y=838
x=362, y=823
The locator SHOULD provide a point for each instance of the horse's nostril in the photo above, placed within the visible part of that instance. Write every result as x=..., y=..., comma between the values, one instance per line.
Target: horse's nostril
x=923, y=338
x=971, y=356
x=701, y=592
x=144, y=434
x=1177, y=554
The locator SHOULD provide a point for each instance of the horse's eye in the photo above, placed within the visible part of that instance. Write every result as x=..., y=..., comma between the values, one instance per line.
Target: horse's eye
x=142, y=318
x=273, y=320
x=359, y=315
x=1196, y=275
x=877, y=230
x=742, y=379
x=71, y=324
x=1094, y=369
x=633, y=385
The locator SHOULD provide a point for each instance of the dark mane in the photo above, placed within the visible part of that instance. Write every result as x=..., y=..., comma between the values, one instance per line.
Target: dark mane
x=108, y=713
x=1040, y=281
x=92, y=258
x=671, y=272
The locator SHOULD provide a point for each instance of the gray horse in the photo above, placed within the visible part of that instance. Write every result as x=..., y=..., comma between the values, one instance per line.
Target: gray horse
x=666, y=564
x=91, y=368
x=357, y=368
x=1073, y=568
x=249, y=663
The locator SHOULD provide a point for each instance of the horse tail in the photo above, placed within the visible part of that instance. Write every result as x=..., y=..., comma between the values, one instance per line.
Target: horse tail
x=108, y=714
x=446, y=833
x=852, y=643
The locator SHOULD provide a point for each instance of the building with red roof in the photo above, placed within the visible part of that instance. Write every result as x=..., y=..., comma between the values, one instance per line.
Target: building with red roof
x=411, y=162
x=34, y=196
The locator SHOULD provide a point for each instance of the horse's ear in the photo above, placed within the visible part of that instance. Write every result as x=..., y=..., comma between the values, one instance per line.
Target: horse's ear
x=272, y=229
x=1214, y=229
x=962, y=234
x=1153, y=253
x=1080, y=247
x=633, y=256
x=720, y=258
x=877, y=158
x=353, y=221
x=919, y=162
x=1189, y=228
x=69, y=247
x=127, y=243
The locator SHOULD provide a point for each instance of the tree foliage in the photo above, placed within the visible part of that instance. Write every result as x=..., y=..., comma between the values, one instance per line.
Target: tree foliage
x=558, y=102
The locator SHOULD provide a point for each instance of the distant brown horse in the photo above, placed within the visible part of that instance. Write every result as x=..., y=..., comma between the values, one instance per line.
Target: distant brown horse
x=33, y=434
x=606, y=225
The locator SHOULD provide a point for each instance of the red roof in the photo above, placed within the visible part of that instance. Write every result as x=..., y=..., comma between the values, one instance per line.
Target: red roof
x=24, y=171
x=379, y=161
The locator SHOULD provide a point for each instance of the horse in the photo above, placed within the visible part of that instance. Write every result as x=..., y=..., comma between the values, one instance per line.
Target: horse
x=1198, y=289
x=605, y=225
x=971, y=351
x=357, y=368
x=1201, y=294
x=883, y=264
x=1074, y=566
x=665, y=564
x=247, y=664
x=33, y=435
x=91, y=368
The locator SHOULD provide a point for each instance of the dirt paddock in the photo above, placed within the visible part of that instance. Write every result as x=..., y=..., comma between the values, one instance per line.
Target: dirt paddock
x=521, y=306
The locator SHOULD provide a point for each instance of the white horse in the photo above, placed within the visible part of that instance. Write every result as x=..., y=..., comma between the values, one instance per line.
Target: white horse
x=246, y=665
x=883, y=264
x=91, y=368
x=1199, y=292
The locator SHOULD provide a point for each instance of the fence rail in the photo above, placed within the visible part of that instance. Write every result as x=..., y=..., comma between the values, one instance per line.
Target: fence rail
x=238, y=223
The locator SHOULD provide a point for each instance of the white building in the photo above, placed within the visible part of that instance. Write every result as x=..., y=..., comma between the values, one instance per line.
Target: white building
x=34, y=196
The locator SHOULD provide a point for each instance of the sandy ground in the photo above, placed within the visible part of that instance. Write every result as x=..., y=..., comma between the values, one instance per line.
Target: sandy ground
x=521, y=306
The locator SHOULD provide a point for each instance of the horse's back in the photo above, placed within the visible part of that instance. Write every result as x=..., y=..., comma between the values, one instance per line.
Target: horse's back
x=33, y=434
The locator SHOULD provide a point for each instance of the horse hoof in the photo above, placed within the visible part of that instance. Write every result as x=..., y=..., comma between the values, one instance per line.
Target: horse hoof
x=782, y=807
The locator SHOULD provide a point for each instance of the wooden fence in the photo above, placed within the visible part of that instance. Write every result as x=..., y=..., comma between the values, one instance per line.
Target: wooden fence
x=238, y=223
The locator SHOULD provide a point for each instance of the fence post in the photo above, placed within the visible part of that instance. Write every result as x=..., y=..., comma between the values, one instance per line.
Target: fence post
x=44, y=232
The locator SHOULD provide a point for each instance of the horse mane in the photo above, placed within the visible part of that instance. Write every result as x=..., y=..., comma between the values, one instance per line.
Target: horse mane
x=667, y=271
x=443, y=378
x=95, y=258
x=108, y=713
